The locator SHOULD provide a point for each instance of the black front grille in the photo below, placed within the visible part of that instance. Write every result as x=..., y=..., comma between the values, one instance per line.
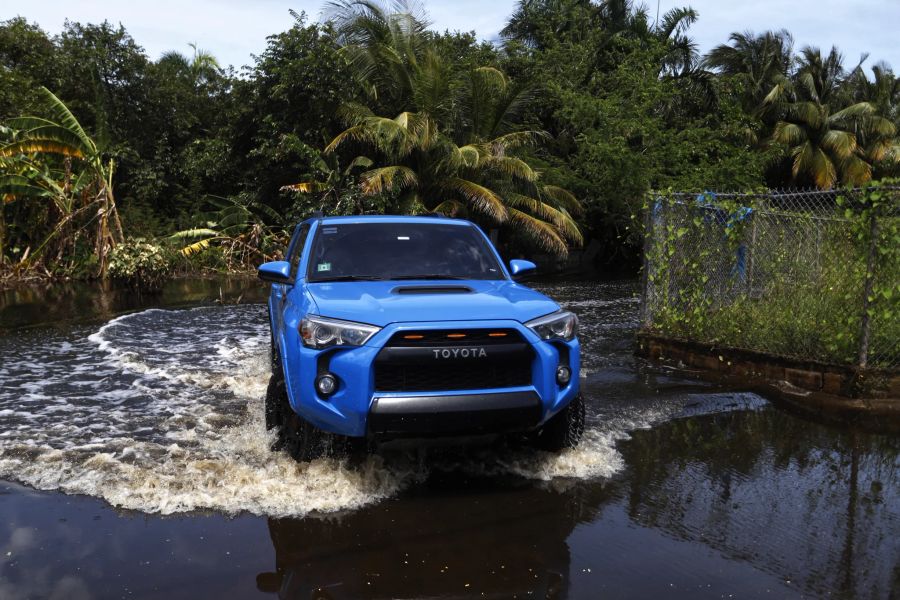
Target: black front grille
x=453, y=359
x=451, y=376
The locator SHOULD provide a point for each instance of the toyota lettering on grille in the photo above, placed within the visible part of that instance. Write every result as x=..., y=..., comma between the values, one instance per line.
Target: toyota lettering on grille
x=442, y=353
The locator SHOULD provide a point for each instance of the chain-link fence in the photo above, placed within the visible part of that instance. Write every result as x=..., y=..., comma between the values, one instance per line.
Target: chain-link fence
x=811, y=275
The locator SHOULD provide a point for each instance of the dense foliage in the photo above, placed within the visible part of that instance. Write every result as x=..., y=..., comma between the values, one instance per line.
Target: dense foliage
x=552, y=135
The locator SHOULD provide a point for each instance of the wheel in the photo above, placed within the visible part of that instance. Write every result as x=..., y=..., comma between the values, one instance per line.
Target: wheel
x=301, y=439
x=295, y=435
x=305, y=442
x=564, y=429
x=298, y=437
x=274, y=393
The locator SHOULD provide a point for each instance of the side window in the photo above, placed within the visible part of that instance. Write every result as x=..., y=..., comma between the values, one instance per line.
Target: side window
x=297, y=250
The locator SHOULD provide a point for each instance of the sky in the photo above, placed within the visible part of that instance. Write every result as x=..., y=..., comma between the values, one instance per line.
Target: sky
x=233, y=30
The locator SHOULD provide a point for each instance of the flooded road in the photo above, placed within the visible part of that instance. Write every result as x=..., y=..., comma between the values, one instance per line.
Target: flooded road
x=137, y=465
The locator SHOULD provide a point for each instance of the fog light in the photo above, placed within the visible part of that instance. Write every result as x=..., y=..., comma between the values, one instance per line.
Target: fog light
x=326, y=384
x=563, y=375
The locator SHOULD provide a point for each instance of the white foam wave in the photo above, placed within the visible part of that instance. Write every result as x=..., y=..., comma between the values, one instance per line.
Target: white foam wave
x=162, y=411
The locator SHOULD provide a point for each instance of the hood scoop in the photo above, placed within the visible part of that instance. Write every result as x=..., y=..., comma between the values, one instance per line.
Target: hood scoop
x=405, y=290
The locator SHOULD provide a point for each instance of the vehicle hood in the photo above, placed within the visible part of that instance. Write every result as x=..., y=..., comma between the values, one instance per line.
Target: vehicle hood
x=381, y=302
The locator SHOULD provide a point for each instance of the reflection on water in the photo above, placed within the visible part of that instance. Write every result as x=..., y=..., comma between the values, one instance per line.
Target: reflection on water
x=487, y=542
x=59, y=303
x=681, y=490
x=798, y=500
x=746, y=502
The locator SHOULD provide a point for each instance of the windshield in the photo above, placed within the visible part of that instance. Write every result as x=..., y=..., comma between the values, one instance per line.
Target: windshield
x=374, y=251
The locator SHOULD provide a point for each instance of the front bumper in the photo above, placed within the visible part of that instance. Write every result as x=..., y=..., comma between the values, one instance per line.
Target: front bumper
x=357, y=409
x=459, y=414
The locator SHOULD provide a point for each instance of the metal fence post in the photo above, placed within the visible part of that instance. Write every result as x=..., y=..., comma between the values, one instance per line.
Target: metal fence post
x=645, y=283
x=865, y=324
x=751, y=254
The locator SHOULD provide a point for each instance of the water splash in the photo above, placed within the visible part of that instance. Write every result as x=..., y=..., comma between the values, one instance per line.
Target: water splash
x=162, y=411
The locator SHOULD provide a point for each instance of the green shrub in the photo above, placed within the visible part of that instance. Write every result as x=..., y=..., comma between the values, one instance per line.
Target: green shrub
x=140, y=263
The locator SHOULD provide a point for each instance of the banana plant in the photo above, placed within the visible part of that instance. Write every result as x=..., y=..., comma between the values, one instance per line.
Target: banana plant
x=83, y=186
x=238, y=227
x=332, y=186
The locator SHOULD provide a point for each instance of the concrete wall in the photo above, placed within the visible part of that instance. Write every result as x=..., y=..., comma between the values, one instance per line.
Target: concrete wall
x=808, y=385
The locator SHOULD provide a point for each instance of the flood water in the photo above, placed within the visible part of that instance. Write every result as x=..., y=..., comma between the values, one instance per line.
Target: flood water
x=134, y=462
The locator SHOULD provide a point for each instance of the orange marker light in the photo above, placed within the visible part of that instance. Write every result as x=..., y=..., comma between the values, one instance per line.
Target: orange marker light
x=456, y=335
x=497, y=334
x=413, y=337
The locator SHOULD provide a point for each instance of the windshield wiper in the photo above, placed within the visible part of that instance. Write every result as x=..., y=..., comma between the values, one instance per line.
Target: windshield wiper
x=427, y=276
x=348, y=278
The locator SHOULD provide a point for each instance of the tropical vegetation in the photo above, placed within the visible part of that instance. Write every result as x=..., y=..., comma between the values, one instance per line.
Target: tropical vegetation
x=549, y=137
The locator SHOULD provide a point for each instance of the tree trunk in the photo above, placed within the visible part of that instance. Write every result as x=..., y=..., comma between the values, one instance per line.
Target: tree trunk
x=102, y=247
x=108, y=237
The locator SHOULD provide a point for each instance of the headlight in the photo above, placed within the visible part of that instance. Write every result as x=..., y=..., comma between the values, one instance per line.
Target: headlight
x=320, y=332
x=561, y=325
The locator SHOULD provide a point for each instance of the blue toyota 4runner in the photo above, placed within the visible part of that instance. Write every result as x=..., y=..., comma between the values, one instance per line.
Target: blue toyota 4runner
x=386, y=327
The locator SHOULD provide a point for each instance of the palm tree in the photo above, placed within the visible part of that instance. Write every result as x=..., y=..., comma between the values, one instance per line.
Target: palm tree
x=388, y=53
x=200, y=69
x=759, y=61
x=680, y=58
x=827, y=146
x=90, y=191
x=427, y=171
x=883, y=93
x=454, y=144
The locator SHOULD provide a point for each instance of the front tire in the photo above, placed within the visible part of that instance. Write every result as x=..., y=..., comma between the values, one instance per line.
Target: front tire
x=275, y=392
x=564, y=429
x=302, y=440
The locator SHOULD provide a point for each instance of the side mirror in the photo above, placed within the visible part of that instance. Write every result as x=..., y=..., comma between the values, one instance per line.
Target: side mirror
x=278, y=271
x=518, y=267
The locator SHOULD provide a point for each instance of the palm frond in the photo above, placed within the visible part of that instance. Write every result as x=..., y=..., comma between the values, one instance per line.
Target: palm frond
x=511, y=167
x=480, y=198
x=788, y=133
x=855, y=171
x=391, y=179
x=854, y=111
x=540, y=231
x=353, y=113
x=518, y=139
x=840, y=143
x=560, y=219
x=563, y=198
